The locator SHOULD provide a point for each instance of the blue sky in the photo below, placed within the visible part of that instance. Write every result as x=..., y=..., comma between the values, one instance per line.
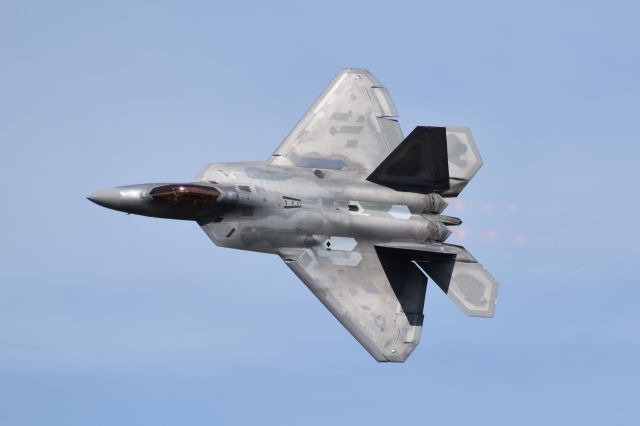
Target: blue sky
x=112, y=319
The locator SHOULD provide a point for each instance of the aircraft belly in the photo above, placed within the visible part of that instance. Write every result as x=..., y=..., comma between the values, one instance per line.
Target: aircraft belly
x=273, y=228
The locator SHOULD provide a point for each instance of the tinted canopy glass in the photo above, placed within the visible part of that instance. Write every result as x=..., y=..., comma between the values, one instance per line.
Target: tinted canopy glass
x=185, y=195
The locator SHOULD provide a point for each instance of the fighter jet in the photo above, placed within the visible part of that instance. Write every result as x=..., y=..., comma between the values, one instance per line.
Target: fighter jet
x=351, y=206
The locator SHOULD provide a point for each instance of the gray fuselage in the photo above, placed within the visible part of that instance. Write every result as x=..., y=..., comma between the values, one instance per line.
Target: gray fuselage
x=263, y=208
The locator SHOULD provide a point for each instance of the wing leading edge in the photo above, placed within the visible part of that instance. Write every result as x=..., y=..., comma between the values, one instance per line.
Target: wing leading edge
x=349, y=127
x=378, y=298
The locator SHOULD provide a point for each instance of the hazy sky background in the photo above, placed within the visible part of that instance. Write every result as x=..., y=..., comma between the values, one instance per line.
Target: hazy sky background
x=108, y=319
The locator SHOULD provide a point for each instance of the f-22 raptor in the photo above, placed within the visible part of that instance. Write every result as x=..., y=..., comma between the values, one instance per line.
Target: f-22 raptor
x=352, y=206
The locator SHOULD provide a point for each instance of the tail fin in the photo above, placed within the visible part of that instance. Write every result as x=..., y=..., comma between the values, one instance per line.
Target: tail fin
x=456, y=272
x=431, y=159
x=463, y=157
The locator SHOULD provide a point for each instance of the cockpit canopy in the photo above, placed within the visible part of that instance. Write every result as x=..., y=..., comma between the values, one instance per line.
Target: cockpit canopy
x=185, y=195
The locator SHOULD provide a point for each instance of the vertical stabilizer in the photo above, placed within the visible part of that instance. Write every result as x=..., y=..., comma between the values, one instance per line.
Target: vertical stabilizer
x=455, y=271
x=431, y=159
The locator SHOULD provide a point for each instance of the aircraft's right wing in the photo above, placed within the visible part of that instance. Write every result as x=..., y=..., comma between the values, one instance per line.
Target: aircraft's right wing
x=349, y=127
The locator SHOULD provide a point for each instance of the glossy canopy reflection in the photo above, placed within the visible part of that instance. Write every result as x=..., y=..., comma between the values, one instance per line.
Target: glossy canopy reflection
x=185, y=195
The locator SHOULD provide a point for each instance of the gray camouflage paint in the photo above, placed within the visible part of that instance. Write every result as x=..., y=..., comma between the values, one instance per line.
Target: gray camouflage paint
x=310, y=203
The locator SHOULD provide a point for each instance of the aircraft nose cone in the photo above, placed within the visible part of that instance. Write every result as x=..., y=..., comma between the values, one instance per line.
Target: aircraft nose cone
x=109, y=198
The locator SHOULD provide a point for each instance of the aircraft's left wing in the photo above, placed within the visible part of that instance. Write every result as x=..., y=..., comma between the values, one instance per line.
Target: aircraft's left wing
x=378, y=298
x=349, y=127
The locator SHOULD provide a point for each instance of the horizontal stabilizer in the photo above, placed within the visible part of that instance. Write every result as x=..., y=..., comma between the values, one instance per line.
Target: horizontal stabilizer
x=464, y=159
x=456, y=272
